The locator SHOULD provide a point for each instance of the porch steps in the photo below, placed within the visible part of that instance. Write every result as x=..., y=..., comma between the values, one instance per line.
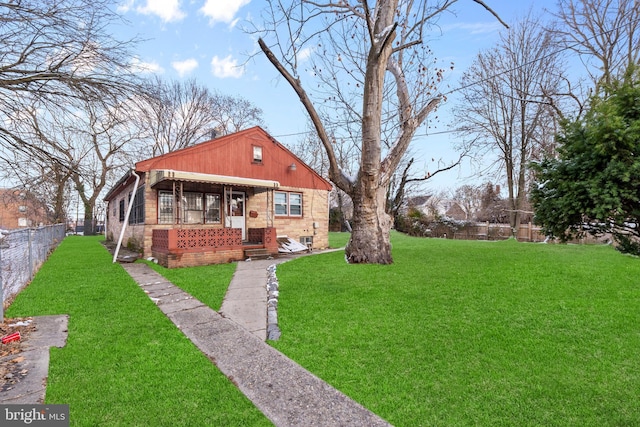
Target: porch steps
x=256, y=253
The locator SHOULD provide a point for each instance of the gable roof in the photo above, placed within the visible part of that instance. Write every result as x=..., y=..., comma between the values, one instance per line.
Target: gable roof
x=232, y=155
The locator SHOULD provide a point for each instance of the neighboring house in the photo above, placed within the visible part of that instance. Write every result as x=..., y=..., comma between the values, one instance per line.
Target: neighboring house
x=19, y=208
x=435, y=206
x=455, y=211
x=219, y=201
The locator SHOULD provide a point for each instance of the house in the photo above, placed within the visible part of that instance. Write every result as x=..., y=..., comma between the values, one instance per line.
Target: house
x=436, y=206
x=20, y=208
x=219, y=201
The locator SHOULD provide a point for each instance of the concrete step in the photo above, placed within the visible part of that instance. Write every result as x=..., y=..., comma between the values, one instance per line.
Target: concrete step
x=256, y=253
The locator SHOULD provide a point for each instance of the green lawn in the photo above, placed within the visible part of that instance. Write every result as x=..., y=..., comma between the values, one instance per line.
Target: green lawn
x=338, y=240
x=454, y=333
x=208, y=283
x=472, y=333
x=125, y=363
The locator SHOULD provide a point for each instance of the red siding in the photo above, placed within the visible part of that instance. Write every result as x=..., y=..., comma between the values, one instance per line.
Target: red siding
x=232, y=155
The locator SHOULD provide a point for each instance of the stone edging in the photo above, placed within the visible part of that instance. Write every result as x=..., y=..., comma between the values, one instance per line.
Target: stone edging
x=273, y=331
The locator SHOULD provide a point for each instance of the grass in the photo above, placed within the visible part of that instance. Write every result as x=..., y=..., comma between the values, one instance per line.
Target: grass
x=453, y=333
x=207, y=283
x=472, y=333
x=125, y=363
x=338, y=240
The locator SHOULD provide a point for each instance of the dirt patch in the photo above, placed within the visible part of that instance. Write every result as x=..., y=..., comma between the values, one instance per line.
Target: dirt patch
x=11, y=370
x=124, y=254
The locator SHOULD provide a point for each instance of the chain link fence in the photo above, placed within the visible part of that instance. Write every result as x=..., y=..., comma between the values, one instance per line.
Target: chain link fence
x=22, y=252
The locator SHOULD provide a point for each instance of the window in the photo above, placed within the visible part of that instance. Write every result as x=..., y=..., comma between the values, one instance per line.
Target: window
x=137, y=211
x=121, y=217
x=192, y=208
x=281, y=203
x=197, y=208
x=295, y=204
x=257, y=154
x=288, y=204
x=165, y=207
x=212, y=206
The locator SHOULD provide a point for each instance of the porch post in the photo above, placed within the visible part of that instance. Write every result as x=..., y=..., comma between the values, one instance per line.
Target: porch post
x=180, y=202
x=174, y=202
x=270, y=207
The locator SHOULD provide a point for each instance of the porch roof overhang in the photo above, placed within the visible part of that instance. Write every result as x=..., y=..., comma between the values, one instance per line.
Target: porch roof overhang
x=159, y=175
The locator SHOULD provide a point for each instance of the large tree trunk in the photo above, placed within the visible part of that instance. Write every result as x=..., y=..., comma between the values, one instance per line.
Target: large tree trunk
x=89, y=229
x=59, y=211
x=369, y=241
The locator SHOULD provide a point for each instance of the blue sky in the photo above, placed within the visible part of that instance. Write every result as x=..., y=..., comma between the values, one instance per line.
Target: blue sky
x=203, y=39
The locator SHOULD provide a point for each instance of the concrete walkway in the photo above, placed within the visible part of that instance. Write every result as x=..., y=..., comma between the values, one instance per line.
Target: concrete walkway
x=246, y=299
x=285, y=392
x=50, y=331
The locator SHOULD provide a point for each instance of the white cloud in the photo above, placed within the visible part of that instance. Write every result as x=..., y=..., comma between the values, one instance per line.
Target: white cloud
x=476, y=28
x=125, y=6
x=138, y=66
x=222, y=11
x=184, y=67
x=167, y=10
x=305, y=53
x=226, y=67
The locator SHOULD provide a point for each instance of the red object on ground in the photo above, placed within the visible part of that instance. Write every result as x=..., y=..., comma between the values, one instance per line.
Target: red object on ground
x=11, y=337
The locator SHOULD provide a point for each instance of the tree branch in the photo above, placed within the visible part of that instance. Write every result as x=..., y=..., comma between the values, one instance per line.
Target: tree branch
x=481, y=3
x=335, y=174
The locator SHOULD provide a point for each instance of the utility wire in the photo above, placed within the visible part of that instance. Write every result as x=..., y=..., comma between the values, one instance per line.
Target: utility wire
x=477, y=82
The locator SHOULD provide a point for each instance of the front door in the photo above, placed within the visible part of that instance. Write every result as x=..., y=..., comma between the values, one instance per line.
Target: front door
x=235, y=211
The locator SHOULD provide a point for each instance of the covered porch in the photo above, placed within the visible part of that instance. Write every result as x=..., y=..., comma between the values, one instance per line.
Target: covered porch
x=206, y=219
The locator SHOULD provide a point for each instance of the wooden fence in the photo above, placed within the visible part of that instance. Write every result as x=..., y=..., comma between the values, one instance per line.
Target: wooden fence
x=488, y=231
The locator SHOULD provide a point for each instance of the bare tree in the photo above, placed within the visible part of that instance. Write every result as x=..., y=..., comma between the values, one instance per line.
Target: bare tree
x=104, y=146
x=376, y=78
x=605, y=36
x=88, y=145
x=234, y=113
x=311, y=151
x=54, y=50
x=604, y=33
x=39, y=176
x=54, y=56
x=405, y=180
x=178, y=114
x=505, y=111
x=470, y=200
x=175, y=114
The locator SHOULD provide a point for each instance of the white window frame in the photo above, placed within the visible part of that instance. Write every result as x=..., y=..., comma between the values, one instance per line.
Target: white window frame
x=257, y=154
x=287, y=204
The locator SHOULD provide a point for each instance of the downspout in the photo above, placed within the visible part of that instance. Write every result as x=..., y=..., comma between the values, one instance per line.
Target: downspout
x=106, y=219
x=126, y=217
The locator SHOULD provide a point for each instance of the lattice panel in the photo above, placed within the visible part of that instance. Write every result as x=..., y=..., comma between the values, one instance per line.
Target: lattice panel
x=160, y=239
x=233, y=237
x=208, y=238
x=202, y=237
x=182, y=239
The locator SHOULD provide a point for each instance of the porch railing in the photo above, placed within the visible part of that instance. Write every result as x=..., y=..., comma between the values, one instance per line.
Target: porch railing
x=265, y=236
x=210, y=239
x=196, y=239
